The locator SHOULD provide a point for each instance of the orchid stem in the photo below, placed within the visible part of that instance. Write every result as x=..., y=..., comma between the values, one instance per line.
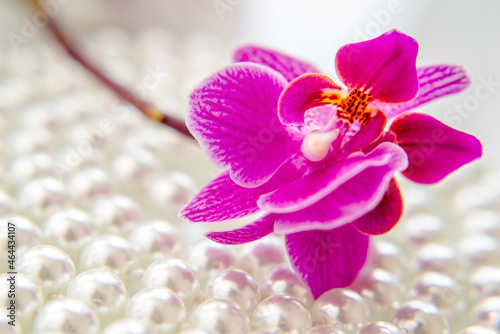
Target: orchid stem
x=146, y=108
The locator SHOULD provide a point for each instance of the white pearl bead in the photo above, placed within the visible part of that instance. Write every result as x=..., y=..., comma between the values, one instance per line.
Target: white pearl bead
x=480, y=249
x=234, y=285
x=28, y=140
x=382, y=291
x=42, y=197
x=485, y=282
x=340, y=308
x=6, y=204
x=283, y=312
x=259, y=255
x=172, y=190
x=175, y=275
x=130, y=326
x=478, y=330
x=417, y=317
x=220, y=316
x=209, y=258
x=482, y=221
x=6, y=328
x=28, y=167
x=487, y=312
x=282, y=280
x=64, y=315
x=379, y=327
x=26, y=236
x=88, y=185
x=324, y=330
x=270, y=331
x=440, y=290
x=134, y=170
x=388, y=256
x=156, y=240
x=28, y=296
x=49, y=266
x=424, y=228
x=113, y=253
x=101, y=290
x=158, y=305
x=41, y=114
x=116, y=215
x=440, y=258
x=69, y=230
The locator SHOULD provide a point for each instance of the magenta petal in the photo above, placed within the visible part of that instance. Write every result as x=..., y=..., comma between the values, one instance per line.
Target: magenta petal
x=367, y=134
x=286, y=65
x=351, y=200
x=385, y=216
x=254, y=231
x=233, y=115
x=222, y=199
x=384, y=67
x=435, y=82
x=434, y=149
x=327, y=259
x=295, y=98
x=318, y=184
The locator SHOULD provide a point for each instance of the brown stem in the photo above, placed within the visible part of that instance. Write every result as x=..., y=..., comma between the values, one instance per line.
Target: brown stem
x=146, y=108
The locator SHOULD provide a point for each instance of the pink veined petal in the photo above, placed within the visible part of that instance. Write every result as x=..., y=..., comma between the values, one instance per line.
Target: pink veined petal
x=254, y=231
x=367, y=134
x=434, y=149
x=288, y=66
x=318, y=184
x=222, y=199
x=384, y=67
x=350, y=200
x=294, y=100
x=233, y=115
x=327, y=259
x=385, y=216
x=435, y=82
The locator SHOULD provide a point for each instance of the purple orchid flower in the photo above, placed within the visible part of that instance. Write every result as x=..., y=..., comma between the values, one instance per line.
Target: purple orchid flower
x=318, y=160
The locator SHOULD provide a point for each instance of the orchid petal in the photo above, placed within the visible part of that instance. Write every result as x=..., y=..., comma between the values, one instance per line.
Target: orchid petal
x=372, y=130
x=254, y=231
x=297, y=95
x=435, y=82
x=385, y=216
x=434, y=149
x=233, y=115
x=320, y=183
x=327, y=259
x=384, y=67
x=349, y=201
x=222, y=199
x=288, y=66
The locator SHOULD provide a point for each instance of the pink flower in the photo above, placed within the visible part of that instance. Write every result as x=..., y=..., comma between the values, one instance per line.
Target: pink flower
x=317, y=161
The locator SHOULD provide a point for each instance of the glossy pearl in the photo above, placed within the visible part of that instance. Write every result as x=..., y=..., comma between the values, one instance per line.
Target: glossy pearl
x=482, y=221
x=440, y=258
x=379, y=327
x=259, y=255
x=117, y=215
x=130, y=326
x=28, y=167
x=478, y=330
x=417, y=317
x=480, y=249
x=340, y=308
x=42, y=197
x=67, y=316
x=6, y=204
x=438, y=289
x=283, y=312
x=27, y=234
x=282, y=280
x=234, y=285
x=324, y=330
x=220, y=316
x=134, y=170
x=485, y=282
x=101, y=290
x=158, y=305
x=69, y=230
x=6, y=328
x=208, y=258
x=88, y=185
x=172, y=190
x=388, y=256
x=49, y=266
x=112, y=253
x=156, y=240
x=487, y=312
x=28, y=296
x=424, y=228
x=382, y=291
x=175, y=275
